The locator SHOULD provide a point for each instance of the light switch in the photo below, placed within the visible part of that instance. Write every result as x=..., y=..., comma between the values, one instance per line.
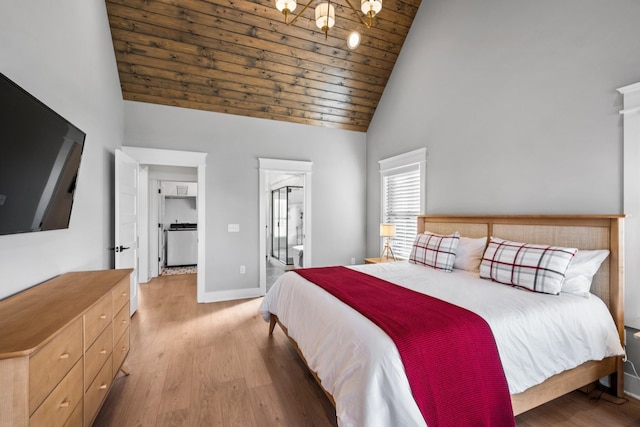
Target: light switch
x=233, y=228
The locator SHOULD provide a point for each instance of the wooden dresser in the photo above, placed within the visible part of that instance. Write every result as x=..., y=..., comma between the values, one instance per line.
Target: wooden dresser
x=61, y=345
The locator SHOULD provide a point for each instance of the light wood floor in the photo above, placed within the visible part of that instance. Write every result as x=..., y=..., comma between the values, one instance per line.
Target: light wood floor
x=215, y=365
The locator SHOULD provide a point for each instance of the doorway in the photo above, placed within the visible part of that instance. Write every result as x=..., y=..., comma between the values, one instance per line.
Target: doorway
x=149, y=157
x=285, y=218
x=285, y=226
x=177, y=234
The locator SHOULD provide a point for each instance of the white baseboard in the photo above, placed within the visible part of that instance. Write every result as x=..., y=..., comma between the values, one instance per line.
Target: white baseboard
x=632, y=385
x=229, y=295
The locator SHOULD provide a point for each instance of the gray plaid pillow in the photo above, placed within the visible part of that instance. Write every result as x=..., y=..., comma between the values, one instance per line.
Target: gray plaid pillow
x=539, y=268
x=435, y=250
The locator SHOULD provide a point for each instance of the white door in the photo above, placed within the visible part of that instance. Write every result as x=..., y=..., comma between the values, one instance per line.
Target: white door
x=162, y=236
x=126, y=227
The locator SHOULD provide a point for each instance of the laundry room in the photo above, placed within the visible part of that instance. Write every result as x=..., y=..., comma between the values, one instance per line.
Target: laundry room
x=179, y=213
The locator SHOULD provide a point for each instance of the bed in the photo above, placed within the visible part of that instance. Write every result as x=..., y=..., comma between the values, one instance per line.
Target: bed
x=373, y=392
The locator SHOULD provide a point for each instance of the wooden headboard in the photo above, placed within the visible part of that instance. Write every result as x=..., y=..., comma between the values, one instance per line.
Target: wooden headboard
x=577, y=231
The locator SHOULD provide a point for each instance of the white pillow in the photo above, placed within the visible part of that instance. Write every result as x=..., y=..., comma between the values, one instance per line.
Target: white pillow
x=469, y=253
x=585, y=264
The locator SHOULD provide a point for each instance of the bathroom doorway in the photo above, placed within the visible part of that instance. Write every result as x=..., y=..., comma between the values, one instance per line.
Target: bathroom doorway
x=285, y=229
x=285, y=218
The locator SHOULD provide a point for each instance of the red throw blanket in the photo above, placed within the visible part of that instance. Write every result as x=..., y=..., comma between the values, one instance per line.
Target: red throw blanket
x=449, y=353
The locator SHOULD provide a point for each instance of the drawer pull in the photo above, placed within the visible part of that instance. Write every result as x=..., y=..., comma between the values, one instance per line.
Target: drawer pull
x=103, y=387
x=124, y=294
x=124, y=322
x=64, y=404
x=103, y=351
x=64, y=356
x=124, y=349
x=103, y=316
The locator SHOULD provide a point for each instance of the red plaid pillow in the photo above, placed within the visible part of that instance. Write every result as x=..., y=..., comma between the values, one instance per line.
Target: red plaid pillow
x=538, y=268
x=435, y=250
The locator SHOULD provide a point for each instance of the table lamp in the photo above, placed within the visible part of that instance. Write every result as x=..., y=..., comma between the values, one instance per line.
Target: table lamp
x=387, y=231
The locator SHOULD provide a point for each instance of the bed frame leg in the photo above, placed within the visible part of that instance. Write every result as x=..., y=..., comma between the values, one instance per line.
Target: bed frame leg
x=272, y=323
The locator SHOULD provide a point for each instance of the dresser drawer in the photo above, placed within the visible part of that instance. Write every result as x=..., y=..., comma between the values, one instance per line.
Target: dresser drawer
x=75, y=420
x=97, y=355
x=120, y=294
x=49, y=365
x=96, y=392
x=121, y=322
x=120, y=351
x=60, y=404
x=96, y=319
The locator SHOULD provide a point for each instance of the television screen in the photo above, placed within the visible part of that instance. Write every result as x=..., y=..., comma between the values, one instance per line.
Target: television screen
x=40, y=155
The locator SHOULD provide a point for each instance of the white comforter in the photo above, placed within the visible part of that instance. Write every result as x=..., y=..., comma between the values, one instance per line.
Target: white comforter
x=537, y=335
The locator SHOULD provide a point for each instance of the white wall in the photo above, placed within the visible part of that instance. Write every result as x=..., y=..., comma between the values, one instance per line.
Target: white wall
x=180, y=210
x=173, y=173
x=61, y=52
x=234, y=145
x=517, y=105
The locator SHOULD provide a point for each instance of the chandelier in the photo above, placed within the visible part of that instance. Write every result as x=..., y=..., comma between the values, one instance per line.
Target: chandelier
x=325, y=15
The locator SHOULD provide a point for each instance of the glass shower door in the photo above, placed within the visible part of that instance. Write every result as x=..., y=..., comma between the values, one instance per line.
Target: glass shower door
x=279, y=226
x=286, y=213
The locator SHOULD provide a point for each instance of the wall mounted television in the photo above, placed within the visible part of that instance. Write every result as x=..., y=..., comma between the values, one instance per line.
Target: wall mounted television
x=40, y=156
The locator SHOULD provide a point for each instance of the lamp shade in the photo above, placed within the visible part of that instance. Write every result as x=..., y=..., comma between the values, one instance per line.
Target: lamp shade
x=289, y=5
x=387, y=230
x=325, y=15
x=371, y=7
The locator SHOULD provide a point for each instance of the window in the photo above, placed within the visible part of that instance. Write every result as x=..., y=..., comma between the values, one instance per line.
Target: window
x=402, y=182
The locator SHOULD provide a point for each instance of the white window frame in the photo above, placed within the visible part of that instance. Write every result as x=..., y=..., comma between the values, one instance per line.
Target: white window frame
x=416, y=159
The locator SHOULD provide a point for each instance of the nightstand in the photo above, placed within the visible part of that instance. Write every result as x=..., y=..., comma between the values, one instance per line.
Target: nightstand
x=378, y=260
x=634, y=324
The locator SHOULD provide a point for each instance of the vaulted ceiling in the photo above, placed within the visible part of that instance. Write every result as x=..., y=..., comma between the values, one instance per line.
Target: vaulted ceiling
x=239, y=57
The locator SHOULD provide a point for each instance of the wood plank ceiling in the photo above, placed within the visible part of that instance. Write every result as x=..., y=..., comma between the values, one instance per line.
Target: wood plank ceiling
x=239, y=57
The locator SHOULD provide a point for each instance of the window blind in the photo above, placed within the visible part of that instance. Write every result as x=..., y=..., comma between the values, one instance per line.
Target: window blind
x=401, y=206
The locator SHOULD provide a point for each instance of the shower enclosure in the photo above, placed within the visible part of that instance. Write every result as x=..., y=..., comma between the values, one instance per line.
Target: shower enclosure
x=286, y=225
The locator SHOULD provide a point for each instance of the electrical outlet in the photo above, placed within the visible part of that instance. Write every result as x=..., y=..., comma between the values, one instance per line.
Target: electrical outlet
x=353, y=261
x=243, y=270
x=3, y=199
